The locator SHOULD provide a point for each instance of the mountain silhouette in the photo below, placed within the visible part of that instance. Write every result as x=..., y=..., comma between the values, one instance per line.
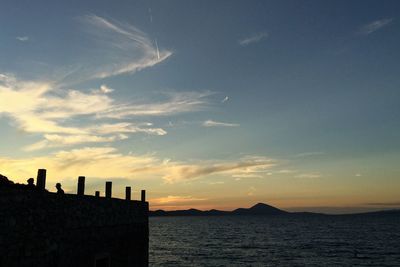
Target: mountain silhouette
x=258, y=209
x=262, y=209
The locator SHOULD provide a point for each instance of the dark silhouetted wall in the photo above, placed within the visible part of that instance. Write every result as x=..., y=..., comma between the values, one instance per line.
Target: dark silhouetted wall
x=45, y=229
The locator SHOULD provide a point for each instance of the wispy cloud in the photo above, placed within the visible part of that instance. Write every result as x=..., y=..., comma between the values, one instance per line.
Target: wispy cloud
x=125, y=127
x=177, y=103
x=285, y=171
x=253, y=39
x=174, y=200
x=55, y=140
x=67, y=117
x=104, y=89
x=211, y=123
x=22, y=38
x=374, y=26
x=36, y=107
x=90, y=161
x=260, y=170
x=216, y=183
x=250, y=165
x=309, y=175
x=124, y=48
x=70, y=163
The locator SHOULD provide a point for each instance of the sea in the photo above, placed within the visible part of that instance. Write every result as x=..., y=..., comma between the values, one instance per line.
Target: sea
x=275, y=241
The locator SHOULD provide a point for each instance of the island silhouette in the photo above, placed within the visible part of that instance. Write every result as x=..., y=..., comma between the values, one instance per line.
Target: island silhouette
x=261, y=209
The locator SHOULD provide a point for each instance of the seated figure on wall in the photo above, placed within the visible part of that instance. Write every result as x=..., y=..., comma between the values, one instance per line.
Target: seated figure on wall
x=60, y=191
x=31, y=184
x=4, y=180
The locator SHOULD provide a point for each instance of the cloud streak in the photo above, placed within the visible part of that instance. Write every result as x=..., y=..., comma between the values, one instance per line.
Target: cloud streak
x=36, y=107
x=68, y=117
x=106, y=162
x=250, y=165
x=177, y=103
x=175, y=200
x=125, y=48
x=253, y=39
x=22, y=38
x=211, y=123
x=313, y=175
x=55, y=140
x=374, y=26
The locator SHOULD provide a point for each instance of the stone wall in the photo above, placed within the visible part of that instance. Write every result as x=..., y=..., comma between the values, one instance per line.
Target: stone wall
x=38, y=228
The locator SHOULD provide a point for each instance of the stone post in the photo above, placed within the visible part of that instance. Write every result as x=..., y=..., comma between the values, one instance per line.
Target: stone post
x=41, y=179
x=108, y=189
x=143, y=197
x=81, y=185
x=128, y=193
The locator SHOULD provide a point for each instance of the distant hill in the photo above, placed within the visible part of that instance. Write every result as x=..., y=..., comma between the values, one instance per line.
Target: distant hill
x=258, y=209
x=261, y=209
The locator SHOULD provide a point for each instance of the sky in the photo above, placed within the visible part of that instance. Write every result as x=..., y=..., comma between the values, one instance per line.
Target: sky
x=206, y=104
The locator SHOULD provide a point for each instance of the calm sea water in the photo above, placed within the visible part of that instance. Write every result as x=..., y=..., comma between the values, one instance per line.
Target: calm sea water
x=274, y=241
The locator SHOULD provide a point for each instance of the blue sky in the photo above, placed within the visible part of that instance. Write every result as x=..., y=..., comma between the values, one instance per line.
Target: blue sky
x=206, y=103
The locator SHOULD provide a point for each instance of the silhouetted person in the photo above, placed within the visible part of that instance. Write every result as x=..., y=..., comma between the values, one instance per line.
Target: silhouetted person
x=31, y=184
x=60, y=191
x=4, y=180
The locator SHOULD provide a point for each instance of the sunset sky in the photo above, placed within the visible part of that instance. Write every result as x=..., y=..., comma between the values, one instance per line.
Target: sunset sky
x=206, y=104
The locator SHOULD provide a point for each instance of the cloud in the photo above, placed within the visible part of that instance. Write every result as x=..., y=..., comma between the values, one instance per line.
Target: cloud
x=126, y=127
x=211, y=123
x=123, y=48
x=55, y=140
x=374, y=26
x=253, y=39
x=177, y=103
x=90, y=161
x=65, y=116
x=216, y=183
x=285, y=171
x=297, y=174
x=239, y=176
x=174, y=200
x=22, y=38
x=107, y=162
x=260, y=168
x=38, y=107
x=309, y=175
x=104, y=89
x=246, y=165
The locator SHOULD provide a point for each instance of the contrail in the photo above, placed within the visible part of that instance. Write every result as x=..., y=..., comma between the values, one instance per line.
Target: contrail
x=158, y=51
